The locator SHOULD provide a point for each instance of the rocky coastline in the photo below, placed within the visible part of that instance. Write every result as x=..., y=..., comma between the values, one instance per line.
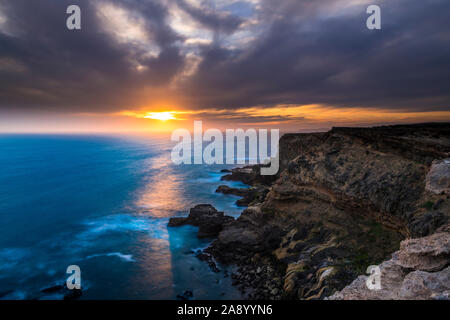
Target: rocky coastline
x=342, y=200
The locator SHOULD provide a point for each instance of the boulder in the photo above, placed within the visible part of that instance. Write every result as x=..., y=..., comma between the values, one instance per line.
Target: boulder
x=438, y=178
x=242, y=192
x=204, y=216
x=426, y=254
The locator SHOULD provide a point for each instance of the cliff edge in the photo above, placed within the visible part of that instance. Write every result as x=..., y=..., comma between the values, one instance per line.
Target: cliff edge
x=344, y=200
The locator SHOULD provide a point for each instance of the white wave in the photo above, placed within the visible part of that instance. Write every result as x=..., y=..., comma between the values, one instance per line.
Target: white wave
x=123, y=257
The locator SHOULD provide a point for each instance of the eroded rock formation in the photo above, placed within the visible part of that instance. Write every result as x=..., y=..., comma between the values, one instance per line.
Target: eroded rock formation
x=343, y=200
x=204, y=216
x=419, y=270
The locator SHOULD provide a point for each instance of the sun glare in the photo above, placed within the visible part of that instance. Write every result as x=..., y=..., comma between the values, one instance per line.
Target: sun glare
x=163, y=116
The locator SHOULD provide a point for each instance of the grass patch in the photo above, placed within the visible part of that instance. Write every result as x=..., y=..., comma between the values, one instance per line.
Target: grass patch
x=361, y=261
x=427, y=205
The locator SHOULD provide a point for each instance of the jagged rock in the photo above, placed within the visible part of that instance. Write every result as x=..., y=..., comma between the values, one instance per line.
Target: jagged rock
x=248, y=194
x=438, y=178
x=427, y=254
x=402, y=277
x=208, y=220
x=243, y=236
x=430, y=221
x=204, y=256
x=246, y=175
x=242, y=192
x=249, y=175
x=177, y=221
x=426, y=285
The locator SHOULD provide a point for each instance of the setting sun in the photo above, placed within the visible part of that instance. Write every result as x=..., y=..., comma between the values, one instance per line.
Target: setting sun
x=163, y=116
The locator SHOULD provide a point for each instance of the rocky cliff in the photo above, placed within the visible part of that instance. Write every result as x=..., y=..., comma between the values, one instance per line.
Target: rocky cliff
x=419, y=270
x=343, y=200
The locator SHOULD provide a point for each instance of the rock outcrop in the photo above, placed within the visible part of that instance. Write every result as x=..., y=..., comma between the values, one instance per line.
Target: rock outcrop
x=204, y=216
x=249, y=175
x=343, y=200
x=438, y=178
x=419, y=270
x=248, y=195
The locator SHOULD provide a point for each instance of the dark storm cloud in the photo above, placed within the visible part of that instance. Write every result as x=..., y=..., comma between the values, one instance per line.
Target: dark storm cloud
x=83, y=70
x=298, y=52
x=338, y=61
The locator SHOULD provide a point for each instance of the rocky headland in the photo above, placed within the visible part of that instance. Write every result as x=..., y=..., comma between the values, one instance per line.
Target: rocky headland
x=342, y=200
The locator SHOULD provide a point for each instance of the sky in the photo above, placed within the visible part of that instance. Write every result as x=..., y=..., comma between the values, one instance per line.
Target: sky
x=157, y=65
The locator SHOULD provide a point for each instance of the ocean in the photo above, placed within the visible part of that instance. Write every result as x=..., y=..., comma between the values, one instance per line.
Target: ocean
x=103, y=203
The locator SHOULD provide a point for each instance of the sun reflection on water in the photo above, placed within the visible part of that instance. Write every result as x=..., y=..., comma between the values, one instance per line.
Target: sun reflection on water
x=162, y=196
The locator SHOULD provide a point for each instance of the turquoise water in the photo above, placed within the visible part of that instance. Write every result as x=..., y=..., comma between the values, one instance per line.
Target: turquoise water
x=103, y=203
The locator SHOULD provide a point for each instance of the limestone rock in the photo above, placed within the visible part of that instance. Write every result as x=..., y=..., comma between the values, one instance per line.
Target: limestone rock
x=438, y=178
x=403, y=278
x=427, y=254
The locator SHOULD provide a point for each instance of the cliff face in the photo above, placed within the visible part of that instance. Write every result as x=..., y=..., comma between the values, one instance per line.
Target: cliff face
x=343, y=200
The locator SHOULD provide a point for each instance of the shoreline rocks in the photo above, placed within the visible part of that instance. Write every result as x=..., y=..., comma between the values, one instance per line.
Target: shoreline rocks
x=248, y=195
x=249, y=175
x=68, y=294
x=204, y=216
x=241, y=192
